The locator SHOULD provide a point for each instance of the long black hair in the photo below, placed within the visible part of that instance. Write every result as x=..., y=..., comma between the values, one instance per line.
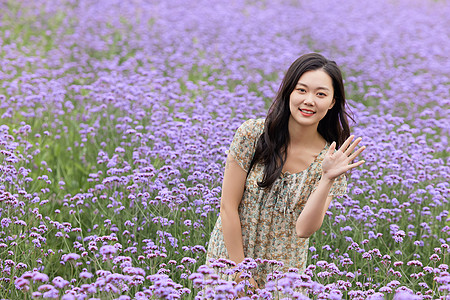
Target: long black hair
x=271, y=148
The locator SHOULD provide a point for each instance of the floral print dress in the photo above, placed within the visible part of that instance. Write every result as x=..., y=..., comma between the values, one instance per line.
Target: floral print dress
x=268, y=217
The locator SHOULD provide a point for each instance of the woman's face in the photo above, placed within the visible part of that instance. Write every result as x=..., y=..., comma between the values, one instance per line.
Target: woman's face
x=311, y=98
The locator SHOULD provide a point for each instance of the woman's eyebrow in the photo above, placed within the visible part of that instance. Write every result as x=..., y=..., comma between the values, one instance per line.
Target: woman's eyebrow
x=318, y=88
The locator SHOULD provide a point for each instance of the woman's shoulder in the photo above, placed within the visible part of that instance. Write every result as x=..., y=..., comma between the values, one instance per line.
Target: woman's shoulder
x=248, y=133
x=242, y=147
x=252, y=126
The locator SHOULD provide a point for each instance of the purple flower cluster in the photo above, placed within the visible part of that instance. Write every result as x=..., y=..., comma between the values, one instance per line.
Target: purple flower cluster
x=115, y=121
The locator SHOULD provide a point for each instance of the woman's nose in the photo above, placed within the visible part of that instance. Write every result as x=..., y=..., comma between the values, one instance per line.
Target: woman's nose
x=309, y=99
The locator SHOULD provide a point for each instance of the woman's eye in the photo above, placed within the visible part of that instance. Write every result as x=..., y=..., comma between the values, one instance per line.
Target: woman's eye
x=322, y=94
x=301, y=90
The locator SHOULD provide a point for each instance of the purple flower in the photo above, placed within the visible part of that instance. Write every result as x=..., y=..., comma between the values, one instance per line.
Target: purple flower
x=188, y=260
x=36, y=276
x=393, y=283
x=108, y=250
x=414, y=263
x=59, y=282
x=406, y=295
x=134, y=271
x=70, y=256
x=53, y=293
x=45, y=287
x=22, y=284
x=5, y=222
x=386, y=289
x=376, y=296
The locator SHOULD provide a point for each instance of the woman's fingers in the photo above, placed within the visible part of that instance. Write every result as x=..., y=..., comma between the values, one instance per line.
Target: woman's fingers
x=356, y=153
x=356, y=164
x=254, y=283
x=346, y=147
x=352, y=147
x=347, y=142
x=337, y=162
x=332, y=148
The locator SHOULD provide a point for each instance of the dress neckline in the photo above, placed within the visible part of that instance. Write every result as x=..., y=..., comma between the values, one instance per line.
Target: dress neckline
x=287, y=173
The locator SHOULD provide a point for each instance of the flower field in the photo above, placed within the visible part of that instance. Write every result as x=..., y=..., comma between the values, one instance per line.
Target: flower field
x=115, y=118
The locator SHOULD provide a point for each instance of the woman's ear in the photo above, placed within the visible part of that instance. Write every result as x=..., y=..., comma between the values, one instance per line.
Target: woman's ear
x=332, y=104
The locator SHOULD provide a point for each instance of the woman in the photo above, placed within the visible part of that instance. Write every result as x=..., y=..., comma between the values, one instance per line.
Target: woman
x=282, y=172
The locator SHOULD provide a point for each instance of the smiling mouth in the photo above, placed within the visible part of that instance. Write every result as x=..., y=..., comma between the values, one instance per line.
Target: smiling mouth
x=307, y=111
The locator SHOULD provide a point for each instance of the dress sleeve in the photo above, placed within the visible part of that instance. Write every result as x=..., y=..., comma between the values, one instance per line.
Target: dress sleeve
x=243, y=146
x=339, y=186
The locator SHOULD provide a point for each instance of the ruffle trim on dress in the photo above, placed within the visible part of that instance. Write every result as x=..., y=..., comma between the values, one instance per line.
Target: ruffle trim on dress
x=284, y=193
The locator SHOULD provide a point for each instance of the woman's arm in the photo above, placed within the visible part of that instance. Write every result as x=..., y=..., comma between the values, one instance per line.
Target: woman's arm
x=334, y=164
x=232, y=190
x=314, y=211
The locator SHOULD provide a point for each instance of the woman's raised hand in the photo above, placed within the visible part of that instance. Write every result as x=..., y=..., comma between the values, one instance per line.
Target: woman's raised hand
x=338, y=162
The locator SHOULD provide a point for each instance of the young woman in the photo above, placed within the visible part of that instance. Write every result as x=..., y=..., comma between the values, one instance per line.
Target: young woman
x=282, y=172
